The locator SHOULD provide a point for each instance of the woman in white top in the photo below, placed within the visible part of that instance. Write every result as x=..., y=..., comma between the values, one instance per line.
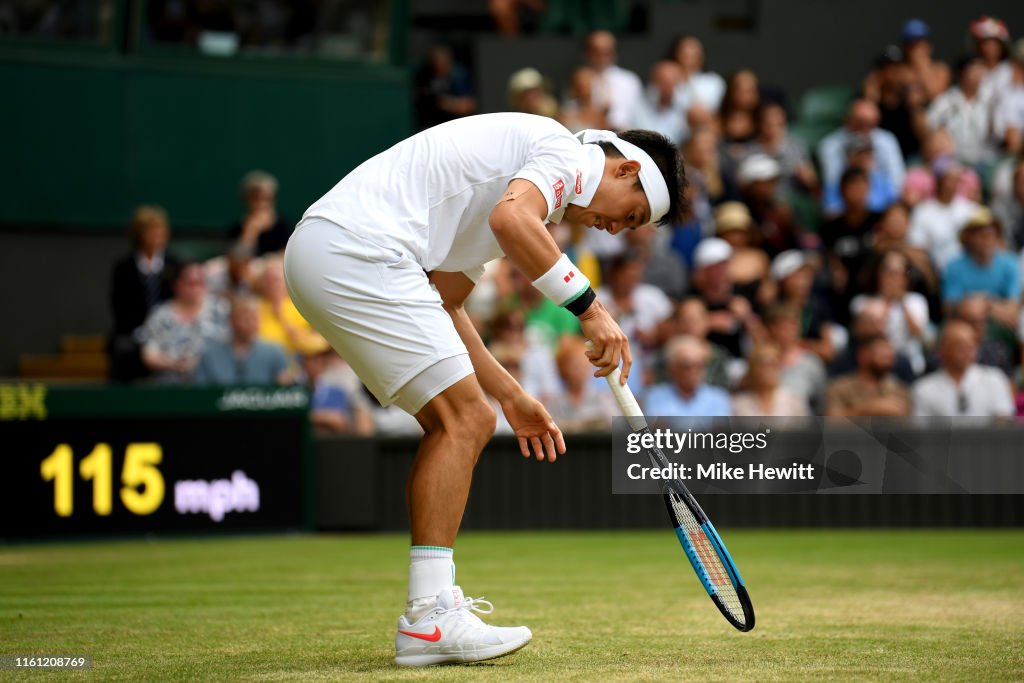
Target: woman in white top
x=907, y=324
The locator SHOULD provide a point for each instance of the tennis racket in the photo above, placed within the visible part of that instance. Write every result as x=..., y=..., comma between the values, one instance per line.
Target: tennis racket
x=702, y=544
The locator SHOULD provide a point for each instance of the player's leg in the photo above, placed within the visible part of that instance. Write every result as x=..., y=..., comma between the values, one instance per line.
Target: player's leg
x=457, y=424
x=439, y=624
x=377, y=308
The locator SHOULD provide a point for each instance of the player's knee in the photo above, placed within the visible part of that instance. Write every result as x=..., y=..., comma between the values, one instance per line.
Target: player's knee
x=472, y=422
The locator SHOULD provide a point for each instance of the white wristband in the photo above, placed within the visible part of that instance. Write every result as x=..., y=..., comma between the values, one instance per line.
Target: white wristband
x=563, y=282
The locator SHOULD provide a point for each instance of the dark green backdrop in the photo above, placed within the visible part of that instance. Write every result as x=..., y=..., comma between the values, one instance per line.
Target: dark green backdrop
x=90, y=135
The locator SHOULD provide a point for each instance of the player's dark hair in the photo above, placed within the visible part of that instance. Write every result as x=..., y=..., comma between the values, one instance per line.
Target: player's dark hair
x=670, y=163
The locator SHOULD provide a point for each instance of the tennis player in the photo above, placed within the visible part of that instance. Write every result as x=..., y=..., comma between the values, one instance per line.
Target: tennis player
x=381, y=266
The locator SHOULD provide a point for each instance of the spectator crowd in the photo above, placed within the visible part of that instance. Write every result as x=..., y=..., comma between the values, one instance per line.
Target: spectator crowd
x=871, y=270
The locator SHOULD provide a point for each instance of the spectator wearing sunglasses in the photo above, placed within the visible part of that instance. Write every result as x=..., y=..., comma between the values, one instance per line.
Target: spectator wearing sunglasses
x=962, y=387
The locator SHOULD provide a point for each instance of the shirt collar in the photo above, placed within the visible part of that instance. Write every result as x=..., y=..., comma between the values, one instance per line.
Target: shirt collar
x=590, y=176
x=149, y=266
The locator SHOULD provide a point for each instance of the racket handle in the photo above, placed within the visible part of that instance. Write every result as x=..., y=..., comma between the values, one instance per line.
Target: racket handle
x=625, y=398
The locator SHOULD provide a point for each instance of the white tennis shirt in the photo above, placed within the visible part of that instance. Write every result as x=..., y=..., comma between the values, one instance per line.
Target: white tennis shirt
x=431, y=195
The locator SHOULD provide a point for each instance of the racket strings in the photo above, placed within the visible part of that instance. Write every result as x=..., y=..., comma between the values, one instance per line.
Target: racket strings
x=714, y=569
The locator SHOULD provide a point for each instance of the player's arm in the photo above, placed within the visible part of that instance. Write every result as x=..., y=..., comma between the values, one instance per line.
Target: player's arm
x=529, y=419
x=454, y=288
x=518, y=224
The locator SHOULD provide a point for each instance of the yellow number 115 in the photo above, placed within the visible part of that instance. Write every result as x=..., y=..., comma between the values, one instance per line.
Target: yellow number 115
x=140, y=470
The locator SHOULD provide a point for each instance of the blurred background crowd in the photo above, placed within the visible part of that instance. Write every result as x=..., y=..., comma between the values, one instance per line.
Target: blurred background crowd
x=854, y=253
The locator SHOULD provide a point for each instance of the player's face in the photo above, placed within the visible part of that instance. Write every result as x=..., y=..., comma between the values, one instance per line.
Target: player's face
x=619, y=204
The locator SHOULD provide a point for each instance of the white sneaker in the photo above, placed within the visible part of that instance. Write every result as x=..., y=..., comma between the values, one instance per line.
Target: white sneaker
x=450, y=632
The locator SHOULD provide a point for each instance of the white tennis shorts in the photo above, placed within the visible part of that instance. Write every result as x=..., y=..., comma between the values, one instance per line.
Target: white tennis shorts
x=376, y=307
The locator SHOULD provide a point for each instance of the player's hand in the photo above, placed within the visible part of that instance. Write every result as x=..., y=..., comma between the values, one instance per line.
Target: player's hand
x=610, y=344
x=534, y=427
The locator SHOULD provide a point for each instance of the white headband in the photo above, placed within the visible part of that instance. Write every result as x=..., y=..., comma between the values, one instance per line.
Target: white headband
x=651, y=180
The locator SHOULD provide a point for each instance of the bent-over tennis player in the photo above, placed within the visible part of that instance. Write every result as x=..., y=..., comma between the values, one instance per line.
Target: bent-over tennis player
x=381, y=266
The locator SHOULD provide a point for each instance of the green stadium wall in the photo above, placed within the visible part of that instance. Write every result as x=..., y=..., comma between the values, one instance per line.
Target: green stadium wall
x=91, y=135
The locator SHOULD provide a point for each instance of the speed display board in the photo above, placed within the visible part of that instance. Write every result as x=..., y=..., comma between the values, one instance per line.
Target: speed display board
x=125, y=460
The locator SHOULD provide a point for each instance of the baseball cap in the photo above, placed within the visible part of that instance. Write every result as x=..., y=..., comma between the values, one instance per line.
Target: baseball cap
x=525, y=79
x=989, y=27
x=914, y=29
x=788, y=262
x=732, y=216
x=758, y=167
x=710, y=251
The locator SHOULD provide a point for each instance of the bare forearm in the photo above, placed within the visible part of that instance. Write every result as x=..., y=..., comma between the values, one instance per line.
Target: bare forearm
x=494, y=379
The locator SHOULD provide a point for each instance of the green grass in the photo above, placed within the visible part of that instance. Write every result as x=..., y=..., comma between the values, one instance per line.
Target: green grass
x=893, y=605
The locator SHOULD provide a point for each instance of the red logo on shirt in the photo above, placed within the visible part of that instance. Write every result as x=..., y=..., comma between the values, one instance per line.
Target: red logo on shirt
x=570, y=276
x=579, y=182
x=559, y=188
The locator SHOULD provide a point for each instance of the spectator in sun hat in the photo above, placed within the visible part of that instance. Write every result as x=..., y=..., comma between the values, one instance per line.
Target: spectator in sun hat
x=1008, y=119
x=749, y=264
x=935, y=223
x=929, y=74
x=529, y=92
x=966, y=115
x=991, y=45
x=758, y=179
x=901, y=100
x=984, y=268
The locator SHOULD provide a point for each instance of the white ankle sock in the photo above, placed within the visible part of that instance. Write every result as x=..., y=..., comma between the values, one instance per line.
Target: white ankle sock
x=431, y=570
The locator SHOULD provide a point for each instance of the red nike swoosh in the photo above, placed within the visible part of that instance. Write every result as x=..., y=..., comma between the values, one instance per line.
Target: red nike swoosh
x=430, y=637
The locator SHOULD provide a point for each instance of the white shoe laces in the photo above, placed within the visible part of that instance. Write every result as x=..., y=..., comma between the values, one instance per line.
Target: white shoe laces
x=473, y=604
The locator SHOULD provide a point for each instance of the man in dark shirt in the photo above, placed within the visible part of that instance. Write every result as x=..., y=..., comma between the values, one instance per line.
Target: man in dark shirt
x=139, y=281
x=443, y=89
x=847, y=238
x=261, y=229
